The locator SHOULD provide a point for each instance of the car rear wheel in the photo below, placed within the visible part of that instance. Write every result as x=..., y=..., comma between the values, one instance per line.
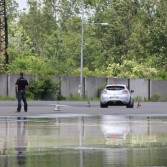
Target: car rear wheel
x=103, y=105
x=130, y=105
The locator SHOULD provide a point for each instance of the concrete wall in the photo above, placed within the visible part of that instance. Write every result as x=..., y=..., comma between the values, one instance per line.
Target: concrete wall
x=92, y=85
x=141, y=88
x=70, y=86
x=118, y=81
x=12, y=80
x=7, y=83
x=3, y=84
x=158, y=87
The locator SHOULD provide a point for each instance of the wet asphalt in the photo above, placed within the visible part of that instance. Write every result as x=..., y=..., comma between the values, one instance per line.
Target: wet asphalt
x=39, y=108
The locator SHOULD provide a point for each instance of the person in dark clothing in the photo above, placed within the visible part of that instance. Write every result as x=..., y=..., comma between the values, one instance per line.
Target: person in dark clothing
x=21, y=86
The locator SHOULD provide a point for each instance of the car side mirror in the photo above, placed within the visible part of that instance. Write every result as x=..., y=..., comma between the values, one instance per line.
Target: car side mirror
x=132, y=91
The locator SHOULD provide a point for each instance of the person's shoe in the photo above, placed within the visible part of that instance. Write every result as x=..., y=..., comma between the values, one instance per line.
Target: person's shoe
x=25, y=110
x=18, y=111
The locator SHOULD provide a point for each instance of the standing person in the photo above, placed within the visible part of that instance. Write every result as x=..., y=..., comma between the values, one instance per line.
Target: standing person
x=21, y=86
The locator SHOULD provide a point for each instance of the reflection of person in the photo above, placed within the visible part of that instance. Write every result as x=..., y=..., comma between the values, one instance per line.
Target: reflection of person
x=21, y=86
x=21, y=140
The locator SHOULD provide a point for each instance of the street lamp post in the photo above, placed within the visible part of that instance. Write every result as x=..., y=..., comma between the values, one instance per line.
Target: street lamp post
x=82, y=44
x=82, y=47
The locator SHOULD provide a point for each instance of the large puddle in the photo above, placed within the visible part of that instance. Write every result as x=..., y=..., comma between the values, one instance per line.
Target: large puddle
x=83, y=141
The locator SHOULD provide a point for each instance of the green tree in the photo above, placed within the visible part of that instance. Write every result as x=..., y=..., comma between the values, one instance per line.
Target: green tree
x=55, y=52
x=51, y=32
x=12, y=10
x=20, y=44
x=39, y=22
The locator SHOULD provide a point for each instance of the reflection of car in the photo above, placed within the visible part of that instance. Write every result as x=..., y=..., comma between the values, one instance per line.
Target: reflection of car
x=116, y=94
x=115, y=127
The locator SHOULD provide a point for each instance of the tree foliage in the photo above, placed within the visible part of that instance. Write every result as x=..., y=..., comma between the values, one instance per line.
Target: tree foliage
x=47, y=38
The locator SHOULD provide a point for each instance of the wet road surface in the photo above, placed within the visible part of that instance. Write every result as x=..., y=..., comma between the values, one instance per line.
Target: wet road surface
x=82, y=135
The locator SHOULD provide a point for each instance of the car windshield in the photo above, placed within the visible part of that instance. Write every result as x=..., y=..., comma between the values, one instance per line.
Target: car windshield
x=115, y=87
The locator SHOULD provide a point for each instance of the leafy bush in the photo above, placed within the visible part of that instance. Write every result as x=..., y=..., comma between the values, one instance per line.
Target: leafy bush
x=7, y=98
x=44, y=89
x=100, y=88
x=155, y=98
x=138, y=99
x=76, y=97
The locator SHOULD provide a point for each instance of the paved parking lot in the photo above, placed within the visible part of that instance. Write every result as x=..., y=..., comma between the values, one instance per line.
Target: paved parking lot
x=8, y=108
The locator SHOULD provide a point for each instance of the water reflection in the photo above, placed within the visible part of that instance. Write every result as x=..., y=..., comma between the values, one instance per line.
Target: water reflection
x=83, y=141
x=115, y=127
x=21, y=143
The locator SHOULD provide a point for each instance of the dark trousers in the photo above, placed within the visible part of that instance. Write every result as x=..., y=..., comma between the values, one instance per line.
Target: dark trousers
x=21, y=95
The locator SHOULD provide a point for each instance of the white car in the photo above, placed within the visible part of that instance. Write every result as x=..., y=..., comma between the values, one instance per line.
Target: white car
x=116, y=94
